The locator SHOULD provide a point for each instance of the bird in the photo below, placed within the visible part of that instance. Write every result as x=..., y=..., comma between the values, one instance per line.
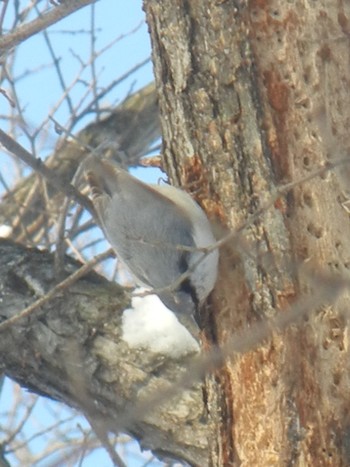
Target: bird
x=159, y=232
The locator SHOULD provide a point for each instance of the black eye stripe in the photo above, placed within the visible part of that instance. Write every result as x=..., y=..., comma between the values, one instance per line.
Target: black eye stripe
x=187, y=287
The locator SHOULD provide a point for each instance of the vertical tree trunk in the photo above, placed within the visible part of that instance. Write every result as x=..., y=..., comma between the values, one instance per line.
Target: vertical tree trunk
x=254, y=95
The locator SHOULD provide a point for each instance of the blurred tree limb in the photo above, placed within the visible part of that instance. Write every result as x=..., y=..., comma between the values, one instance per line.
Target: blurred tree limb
x=125, y=136
x=80, y=358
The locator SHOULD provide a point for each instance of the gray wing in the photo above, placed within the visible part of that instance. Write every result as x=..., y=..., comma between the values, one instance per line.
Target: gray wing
x=147, y=230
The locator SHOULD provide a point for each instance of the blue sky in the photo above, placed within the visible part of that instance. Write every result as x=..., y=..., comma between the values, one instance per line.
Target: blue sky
x=111, y=22
x=38, y=92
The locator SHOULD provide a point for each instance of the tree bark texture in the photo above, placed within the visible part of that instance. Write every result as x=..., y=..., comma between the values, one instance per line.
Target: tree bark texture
x=72, y=350
x=254, y=95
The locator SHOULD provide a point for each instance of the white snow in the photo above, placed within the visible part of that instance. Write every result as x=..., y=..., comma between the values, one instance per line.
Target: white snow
x=150, y=325
x=5, y=231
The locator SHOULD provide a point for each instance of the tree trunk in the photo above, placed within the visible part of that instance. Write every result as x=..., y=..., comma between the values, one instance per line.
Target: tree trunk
x=254, y=95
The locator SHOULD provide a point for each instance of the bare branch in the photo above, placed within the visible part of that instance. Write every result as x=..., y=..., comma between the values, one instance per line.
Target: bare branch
x=36, y=164
x=57, y=289
x=47, y=19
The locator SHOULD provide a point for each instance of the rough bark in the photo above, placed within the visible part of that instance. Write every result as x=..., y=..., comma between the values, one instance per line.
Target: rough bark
x=72, y=350
x=253, y=95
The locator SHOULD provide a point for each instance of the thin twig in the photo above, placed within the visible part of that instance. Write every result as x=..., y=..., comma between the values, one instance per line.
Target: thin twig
x=2, y=15
x=36, y=164
x=57, y=289
x=235, y=234
x=102, y=435
x=78, y=384
x=56, y=62
x=112, y=85
x=52, y=16
x=93, y=60
x=329, y=289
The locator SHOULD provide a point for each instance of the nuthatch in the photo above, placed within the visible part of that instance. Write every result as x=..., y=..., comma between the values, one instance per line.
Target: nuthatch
x=159, y=232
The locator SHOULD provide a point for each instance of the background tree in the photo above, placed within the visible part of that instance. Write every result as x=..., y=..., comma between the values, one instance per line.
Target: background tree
x=253, y=104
